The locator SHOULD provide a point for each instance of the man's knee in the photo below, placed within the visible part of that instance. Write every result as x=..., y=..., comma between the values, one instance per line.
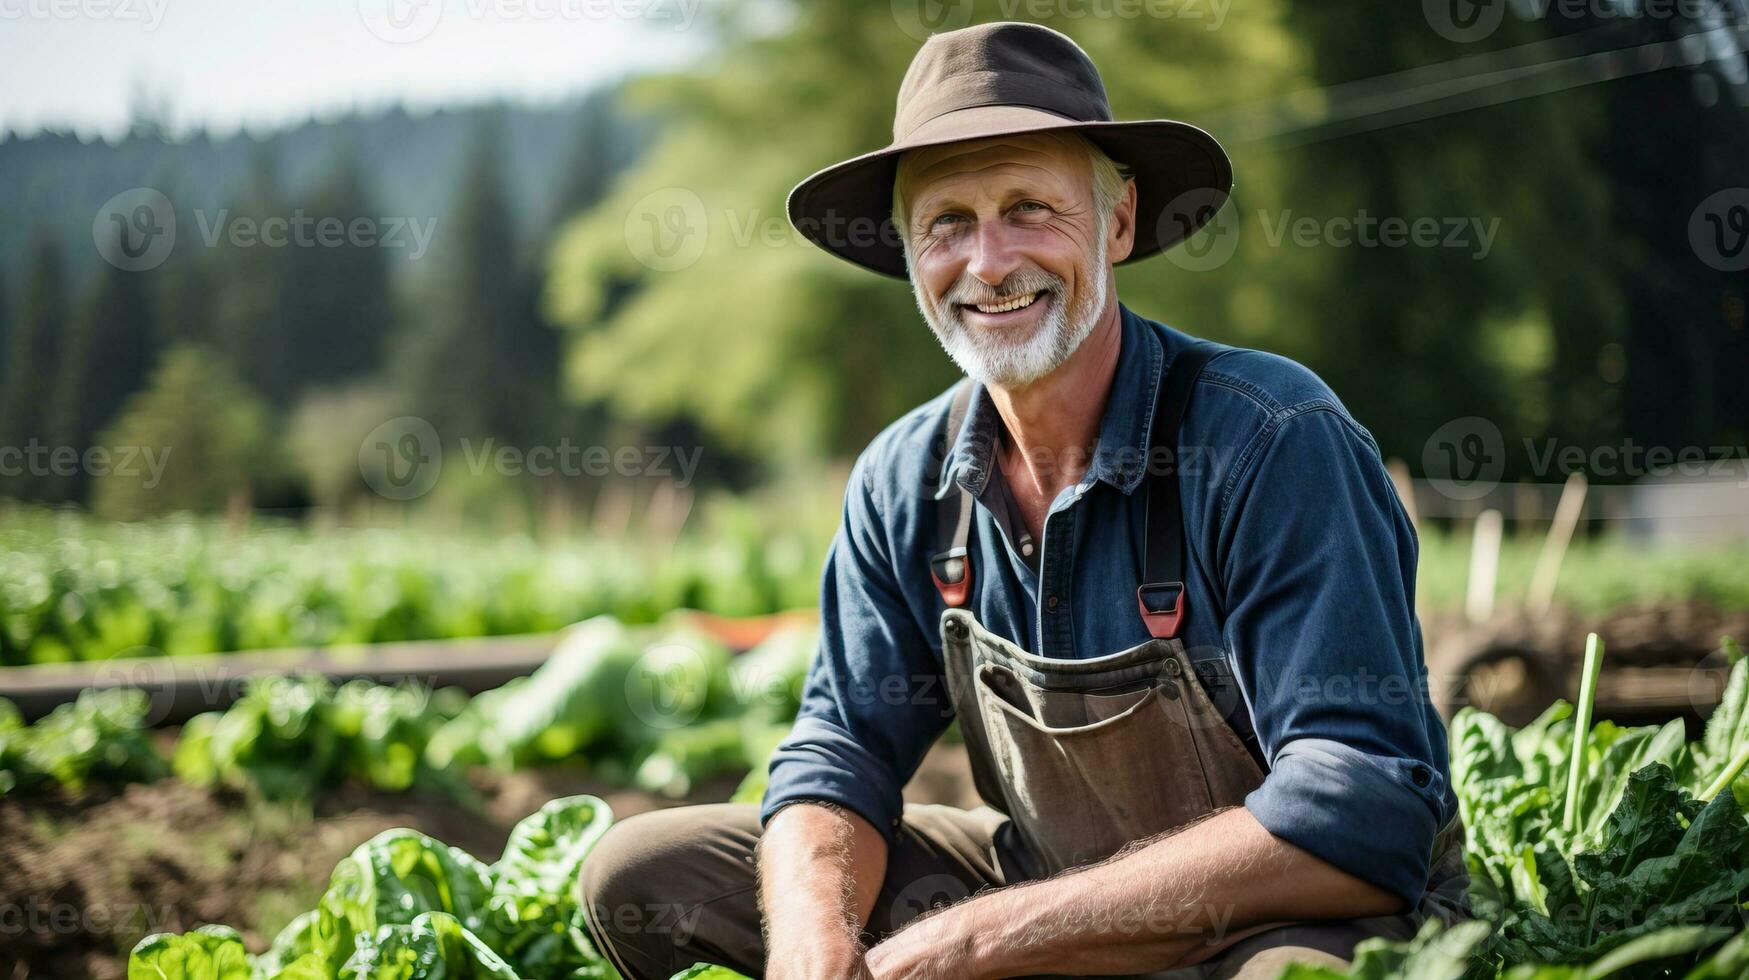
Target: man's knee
x=616, y=869
x=645, y=884
x=1326, y=944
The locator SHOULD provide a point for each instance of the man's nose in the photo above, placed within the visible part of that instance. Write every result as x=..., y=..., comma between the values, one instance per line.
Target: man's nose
x=993, y=257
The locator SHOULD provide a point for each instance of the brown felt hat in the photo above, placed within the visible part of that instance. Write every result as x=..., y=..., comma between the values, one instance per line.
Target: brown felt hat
x=1000, y=79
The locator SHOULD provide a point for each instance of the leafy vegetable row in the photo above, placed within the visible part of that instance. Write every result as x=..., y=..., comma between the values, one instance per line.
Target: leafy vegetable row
x=403, y=905
x=1593, y=850
x=658, y=707
x=76, y=589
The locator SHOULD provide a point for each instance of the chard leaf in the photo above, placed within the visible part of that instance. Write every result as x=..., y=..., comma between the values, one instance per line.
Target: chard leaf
x=433, y=946
x=1727, y=732
x=707, y=971
x=1728, y=962
x=533, y=891
x=1434, y=954
x=207, y=953
x=390, y=880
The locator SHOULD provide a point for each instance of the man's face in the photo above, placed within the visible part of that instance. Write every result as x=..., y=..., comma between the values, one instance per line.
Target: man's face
x=1009, y=259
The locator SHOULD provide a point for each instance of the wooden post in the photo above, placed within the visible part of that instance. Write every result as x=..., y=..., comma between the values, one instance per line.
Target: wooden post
x=1484, y=566
x=1554, y=550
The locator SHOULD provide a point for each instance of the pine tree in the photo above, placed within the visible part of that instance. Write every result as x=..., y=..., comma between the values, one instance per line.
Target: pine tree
x=109, y=352
x=463, y=370
x=593, y=158
x=252, y=290
x=5, y=321
x=32, y=360
x=338, y=303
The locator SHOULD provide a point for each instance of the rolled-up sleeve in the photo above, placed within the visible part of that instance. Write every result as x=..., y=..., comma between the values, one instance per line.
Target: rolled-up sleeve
x=1318, y=562
x=874, y=699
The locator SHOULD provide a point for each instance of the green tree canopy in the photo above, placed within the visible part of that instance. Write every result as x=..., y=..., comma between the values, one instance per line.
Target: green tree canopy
x=193, y=440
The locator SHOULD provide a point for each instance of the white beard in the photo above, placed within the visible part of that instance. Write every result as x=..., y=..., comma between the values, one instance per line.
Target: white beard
x=992, y=357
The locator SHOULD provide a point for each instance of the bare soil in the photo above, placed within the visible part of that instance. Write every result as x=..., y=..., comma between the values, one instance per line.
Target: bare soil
x=83, y=879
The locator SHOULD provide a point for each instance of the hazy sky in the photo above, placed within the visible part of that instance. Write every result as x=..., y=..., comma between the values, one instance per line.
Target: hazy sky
x=262, y=62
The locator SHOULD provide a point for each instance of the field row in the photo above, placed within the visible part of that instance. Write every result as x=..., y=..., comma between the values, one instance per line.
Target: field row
x=72, y=589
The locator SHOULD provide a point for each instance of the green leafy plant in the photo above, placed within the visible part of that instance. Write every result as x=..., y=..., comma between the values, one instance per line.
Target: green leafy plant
x=404, y=906
x=1593, y=852
x=101, y=737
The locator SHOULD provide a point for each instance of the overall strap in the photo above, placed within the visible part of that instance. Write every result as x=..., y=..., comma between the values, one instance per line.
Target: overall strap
x=1161, y=594
x=950, y=565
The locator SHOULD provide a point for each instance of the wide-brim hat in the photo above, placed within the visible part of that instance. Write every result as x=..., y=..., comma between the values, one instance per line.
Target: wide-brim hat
x=1001, y=79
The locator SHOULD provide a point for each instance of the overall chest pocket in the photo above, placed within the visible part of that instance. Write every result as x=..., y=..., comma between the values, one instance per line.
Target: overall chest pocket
x=1087, y=771
x=1057, y=709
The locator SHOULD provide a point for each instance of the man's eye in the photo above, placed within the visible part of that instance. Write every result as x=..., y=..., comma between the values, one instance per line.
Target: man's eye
x=1030, y=205
x=943, y=220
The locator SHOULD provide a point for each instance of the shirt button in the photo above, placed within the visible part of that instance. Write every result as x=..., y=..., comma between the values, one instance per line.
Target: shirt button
x=1421, y=775
x=1051, y=603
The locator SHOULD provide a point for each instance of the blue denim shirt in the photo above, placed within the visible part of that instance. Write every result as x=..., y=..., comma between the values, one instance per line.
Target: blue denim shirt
x=1300, y=570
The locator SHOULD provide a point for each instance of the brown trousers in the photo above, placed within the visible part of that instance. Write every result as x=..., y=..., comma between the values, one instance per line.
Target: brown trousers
x=670, y=888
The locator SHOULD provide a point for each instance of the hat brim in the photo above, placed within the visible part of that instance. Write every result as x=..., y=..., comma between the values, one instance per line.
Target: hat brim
x=1183, y=177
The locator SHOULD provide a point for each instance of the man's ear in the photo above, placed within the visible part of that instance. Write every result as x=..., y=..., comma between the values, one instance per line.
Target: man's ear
x=1120, y=234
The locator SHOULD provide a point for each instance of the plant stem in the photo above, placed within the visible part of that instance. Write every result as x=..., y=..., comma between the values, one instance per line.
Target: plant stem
x=1730, y=774
x=1582, y=731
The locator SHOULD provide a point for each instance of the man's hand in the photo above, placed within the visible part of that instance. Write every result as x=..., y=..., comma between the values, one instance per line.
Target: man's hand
x=1172, y=902
x=820, y=871
x=932, y=948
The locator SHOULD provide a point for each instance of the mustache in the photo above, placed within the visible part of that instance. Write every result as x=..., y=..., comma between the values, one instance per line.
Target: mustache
x=970, y=291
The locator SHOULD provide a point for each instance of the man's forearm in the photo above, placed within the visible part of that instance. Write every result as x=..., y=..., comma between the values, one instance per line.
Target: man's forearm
x=820, y=871
x=1172, y=902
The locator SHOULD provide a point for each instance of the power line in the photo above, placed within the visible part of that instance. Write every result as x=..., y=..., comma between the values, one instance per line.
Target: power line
x=1472, y=82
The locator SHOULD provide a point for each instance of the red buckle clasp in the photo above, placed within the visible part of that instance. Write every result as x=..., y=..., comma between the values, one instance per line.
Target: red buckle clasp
x=952, y=572
x=1162, y=605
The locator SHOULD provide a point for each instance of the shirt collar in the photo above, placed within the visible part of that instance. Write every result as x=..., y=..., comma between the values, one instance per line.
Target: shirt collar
x=1124, y=429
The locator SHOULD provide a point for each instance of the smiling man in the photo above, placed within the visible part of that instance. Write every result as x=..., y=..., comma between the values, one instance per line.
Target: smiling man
x=1164, y=586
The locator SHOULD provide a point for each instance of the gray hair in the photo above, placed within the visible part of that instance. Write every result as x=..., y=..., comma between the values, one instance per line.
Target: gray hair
x=1108, y=185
